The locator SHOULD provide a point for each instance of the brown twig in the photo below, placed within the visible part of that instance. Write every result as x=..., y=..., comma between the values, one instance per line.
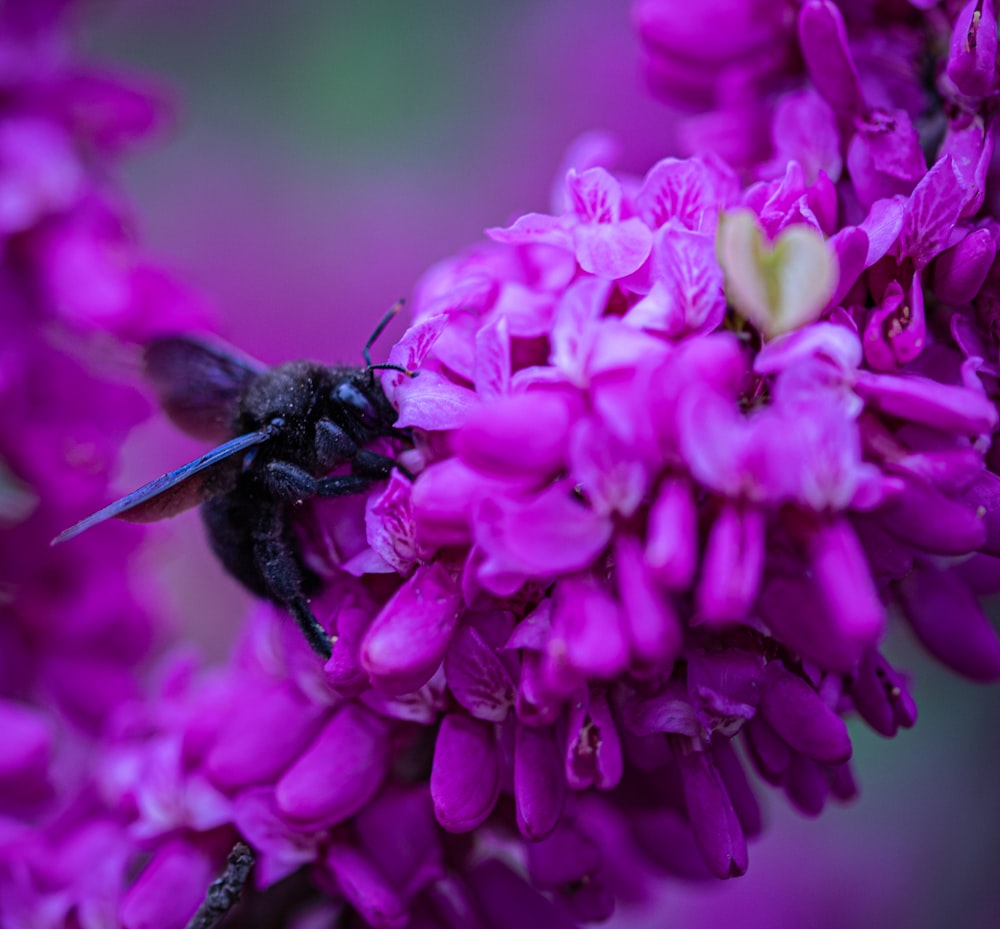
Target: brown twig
x=225, y=890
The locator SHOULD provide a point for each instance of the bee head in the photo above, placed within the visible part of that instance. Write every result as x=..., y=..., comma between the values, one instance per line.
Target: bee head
x=356, y=397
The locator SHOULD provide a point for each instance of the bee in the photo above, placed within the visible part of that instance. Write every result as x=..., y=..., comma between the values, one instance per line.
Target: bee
x=282, y=431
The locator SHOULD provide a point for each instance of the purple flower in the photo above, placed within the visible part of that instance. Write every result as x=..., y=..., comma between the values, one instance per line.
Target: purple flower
x=74, y=629
x=681, y=446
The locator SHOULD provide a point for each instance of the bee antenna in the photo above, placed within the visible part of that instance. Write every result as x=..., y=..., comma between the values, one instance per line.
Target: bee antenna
x=379, y=329
x=387, y=367
x=367, y=353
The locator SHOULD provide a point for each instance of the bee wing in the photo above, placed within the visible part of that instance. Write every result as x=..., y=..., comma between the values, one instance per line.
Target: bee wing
x=199, y=384
x=179, y=490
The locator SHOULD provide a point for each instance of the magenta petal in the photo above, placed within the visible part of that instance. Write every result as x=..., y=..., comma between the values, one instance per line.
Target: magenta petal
x=411, y=350
x=878, y=328
x=931, y=212
x=884, y=322
x=540, y=536
x=971, y=145
x=443, y=499
x=771, y=754
x=576, y=322
x=344, y=671
x=477, y=677
x=737, y=784
x=511, y=901
x=593, y=750
x=972, y=57
x=539, y=782
x=801, y=718
x=796, y=613
x=733, y=565
x=170, y=888
x=465, y=776
x=414, y=858
x=668, y=711
x=666, y=837
x=590, y=900
x=263, y=736
x=613, y=250
x=536, y=704
x=535, y=228
x=926, y=518
x=563, y=858
x=366, y=888
x=491, y=370
x=804, y=129
x=823, y=38
x=882, y=225
x=389, y=524
x=27, y=743
x=884, y=157
x=844, y=577
x=981, y=573
x=691, y=191
x=983, y=494
x=595, y=195
x=672, y=535
x=339, y=773
x=806, y=785
x=842, y=783
x=724, y=685
x=521, y=434
x=713, y=435
x=923, y=400
x=687, y=294
x=851, y=246
x=717, y=828
x=960, y=271
x=610, y=473
x=430, y=401
x=42, y=172
x=405, y=643
x=881, y=696
x=587, y=628
x=654, y=632
x=279, y=848
x=949, y=621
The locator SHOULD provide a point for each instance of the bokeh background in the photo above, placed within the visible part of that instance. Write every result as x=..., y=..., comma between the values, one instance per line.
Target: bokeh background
x=321, y=155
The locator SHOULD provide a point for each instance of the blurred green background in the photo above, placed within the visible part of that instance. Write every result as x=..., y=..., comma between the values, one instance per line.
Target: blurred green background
x=322, y=155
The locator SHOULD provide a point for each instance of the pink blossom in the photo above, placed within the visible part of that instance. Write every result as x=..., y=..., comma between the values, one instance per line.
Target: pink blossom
x=680, y=449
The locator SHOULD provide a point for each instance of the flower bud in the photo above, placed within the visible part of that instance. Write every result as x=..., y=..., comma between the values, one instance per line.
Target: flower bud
x=405, y=643
x=465, y=776
x=801, y=718
x=960, y=271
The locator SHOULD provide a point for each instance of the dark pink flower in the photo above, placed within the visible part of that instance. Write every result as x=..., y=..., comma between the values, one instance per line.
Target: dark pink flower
x=679, y=447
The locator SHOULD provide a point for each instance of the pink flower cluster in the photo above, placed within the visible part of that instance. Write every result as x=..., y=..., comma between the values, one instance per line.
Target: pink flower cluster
x=681, y=445
x=72, y=629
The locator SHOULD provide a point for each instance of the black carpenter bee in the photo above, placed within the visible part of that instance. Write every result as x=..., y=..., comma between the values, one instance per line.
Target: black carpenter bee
x=282, y=431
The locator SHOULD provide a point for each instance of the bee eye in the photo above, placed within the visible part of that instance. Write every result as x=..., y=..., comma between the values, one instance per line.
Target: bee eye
x=348, y=395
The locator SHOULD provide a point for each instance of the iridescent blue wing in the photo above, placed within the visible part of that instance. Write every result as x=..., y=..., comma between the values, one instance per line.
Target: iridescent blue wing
x=199, y=384
x=207, y=476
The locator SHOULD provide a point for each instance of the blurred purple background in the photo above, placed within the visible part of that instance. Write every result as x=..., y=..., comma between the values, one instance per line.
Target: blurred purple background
x=323, y=155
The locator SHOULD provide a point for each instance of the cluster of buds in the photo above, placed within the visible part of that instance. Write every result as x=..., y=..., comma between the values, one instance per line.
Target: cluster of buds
x=681, y=448
x=73, y=631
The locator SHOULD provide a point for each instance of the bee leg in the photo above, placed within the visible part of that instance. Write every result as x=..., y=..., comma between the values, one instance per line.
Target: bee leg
x=279, y=568
x=289, y=482
x=372, y=464
x=315, y=634
x=332, y=444
x=343, y=485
